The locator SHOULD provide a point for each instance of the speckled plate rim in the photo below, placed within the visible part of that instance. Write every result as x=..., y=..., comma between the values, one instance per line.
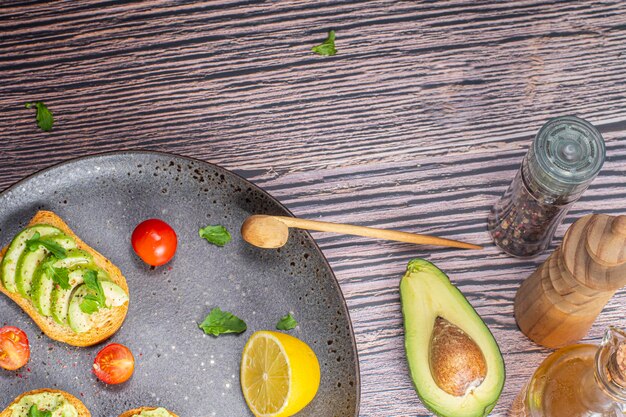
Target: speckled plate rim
x=218, y=168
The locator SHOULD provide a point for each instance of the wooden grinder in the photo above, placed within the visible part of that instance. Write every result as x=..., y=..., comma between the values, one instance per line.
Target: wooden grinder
x=559, y=302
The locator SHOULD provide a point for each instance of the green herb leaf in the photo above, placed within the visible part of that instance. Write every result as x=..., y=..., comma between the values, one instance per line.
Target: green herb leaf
x=96, y=299
x=326, y=48
x=90, y=304
x=91, y=279
x=94, y=284
x=45, y=120
x=217, y=235
x=34, y=412
x=32, y=244
x=287, y=322
x=59, y=275
x=53, y=247
x=219, y=322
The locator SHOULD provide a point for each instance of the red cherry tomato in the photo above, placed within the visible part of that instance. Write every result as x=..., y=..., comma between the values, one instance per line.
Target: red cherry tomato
x=114, y=364
x=154, y=241
x=14, y=348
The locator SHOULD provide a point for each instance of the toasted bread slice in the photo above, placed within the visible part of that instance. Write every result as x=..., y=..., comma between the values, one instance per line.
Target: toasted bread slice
x=131, y=413
x=108, y=320
x=80, y=407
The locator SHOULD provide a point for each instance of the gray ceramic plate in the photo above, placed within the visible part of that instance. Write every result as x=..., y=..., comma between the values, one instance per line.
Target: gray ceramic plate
x=103, y=198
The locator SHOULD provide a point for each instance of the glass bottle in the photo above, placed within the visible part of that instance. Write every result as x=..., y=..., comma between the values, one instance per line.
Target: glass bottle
x=578, y=381
x=564, y=158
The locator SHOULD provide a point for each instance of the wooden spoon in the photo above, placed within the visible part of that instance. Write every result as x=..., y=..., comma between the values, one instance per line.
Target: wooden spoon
x=273, y=231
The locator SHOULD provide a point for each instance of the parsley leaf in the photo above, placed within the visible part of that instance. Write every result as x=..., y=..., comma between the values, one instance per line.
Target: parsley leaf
x=44, y=116
x=53, y=247
x=94, y=284
x=34, y=412
x=326, y=48
x=91, y=279
x=59, y=275
x=287, y=322
x=96, y=299
x=217, y=235
x=90, y=304
x=219, y=322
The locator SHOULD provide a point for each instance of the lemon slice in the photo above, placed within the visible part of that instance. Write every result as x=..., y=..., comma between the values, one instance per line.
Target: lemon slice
x=280, y=374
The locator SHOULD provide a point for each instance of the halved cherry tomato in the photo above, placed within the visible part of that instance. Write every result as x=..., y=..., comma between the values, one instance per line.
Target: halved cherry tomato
x=14, y=348
x=114, y=364
x=154, y=241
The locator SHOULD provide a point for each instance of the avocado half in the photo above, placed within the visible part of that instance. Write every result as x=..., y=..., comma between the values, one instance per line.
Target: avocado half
x=454, y=360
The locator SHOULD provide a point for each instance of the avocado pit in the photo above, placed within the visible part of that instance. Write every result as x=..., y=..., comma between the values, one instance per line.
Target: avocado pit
x=457, y=364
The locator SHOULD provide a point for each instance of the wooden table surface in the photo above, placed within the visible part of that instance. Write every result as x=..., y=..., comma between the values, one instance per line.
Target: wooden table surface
x=418, y=123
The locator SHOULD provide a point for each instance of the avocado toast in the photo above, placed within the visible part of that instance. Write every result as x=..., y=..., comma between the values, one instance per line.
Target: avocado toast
x=73, y=293
x=140, y=410
x=19, y=407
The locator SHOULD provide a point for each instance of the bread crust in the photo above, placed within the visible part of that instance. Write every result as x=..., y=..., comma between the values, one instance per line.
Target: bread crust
x=80, y=407
x=109, y=320
x=131, y=413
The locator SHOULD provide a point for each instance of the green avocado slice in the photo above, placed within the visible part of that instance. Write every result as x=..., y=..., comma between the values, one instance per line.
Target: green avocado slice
x=15, y=249
x=30, y=260
x=80, y=321
x=428, y=299
x=60, y=298
x=114, y=294
x=43, y=284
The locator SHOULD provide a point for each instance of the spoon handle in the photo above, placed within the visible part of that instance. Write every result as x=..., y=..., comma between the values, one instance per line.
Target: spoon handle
x=348, y=229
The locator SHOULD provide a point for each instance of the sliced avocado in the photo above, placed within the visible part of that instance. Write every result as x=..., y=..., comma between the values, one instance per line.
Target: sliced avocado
x=16, y=247
x=114, y=294
x=43, y=283
x=30, y=260
x=454, y=360
x=74, y=258
x=79, y=322
x=60, y=298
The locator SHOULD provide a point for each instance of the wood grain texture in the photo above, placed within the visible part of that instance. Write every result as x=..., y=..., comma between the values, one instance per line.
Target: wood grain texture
x=557, y=305
x=418, y=123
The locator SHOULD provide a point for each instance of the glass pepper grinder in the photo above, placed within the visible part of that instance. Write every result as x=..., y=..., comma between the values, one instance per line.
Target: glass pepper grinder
x=564, y=158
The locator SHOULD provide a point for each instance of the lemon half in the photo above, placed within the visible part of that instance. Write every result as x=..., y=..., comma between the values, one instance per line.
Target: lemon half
x=280, y=374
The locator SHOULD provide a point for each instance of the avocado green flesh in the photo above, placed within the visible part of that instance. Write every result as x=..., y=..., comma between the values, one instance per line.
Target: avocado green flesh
x=79, y=321
x=30, y=260
x=16, y=247
x=44, y=401
x=29, y=272
x=82, y=322
x=60, y=297
x=157, y=412
x=43, y=284
x=426, y=293
x=74, y=257
x=41, y=297
x=114, y=294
